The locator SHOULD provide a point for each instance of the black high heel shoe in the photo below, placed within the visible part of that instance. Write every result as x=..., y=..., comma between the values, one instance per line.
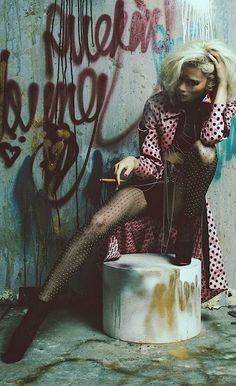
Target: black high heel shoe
x=184, y=244
x=24, y=334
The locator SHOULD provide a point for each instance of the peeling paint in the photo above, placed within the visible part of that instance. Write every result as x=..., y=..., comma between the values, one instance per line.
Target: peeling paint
x=6, y=296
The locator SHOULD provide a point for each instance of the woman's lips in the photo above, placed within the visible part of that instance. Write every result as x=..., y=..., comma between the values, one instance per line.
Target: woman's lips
x=183, y=95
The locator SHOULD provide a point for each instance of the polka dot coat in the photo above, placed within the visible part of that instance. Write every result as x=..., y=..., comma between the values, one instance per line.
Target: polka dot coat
x=157, y=130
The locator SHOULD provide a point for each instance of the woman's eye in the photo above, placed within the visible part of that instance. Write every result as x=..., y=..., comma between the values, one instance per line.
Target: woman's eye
x=192, y=82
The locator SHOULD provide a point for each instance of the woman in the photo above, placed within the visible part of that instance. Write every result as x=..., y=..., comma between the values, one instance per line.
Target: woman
x=178, y=132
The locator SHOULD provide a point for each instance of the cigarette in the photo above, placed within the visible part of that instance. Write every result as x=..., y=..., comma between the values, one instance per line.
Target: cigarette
x=109, y=180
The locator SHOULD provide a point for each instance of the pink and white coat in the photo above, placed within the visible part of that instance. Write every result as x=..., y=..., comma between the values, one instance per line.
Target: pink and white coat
x=144, y=234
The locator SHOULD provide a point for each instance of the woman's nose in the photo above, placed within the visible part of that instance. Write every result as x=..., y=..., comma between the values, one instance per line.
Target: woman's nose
x=182, y=86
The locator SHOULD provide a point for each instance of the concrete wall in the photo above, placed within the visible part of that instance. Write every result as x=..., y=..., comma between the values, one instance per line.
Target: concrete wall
x=101, y=84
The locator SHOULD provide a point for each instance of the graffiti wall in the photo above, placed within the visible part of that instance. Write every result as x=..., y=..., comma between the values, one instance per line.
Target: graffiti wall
x=74, y=76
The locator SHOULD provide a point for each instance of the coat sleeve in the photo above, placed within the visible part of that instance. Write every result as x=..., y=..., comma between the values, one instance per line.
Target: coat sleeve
x=150, y=160
x=217, y=127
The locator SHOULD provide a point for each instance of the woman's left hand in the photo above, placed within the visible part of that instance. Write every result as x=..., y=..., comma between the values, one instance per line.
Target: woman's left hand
x=219, y=66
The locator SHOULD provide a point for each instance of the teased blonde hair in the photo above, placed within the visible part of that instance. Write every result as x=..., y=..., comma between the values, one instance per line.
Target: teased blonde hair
x=195, y=53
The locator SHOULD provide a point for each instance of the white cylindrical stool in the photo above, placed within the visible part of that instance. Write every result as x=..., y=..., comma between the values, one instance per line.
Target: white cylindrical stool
x=146, y=299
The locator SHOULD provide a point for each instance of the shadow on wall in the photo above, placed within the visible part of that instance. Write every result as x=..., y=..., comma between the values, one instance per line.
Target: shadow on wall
x=36, y=224
x=93, y=188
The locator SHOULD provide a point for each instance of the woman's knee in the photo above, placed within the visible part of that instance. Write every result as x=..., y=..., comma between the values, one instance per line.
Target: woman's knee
x=100, y=223
x=127, y=203
x=207, y=154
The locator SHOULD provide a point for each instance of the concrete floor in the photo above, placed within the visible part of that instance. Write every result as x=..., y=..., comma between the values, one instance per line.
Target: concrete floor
x=71, y=349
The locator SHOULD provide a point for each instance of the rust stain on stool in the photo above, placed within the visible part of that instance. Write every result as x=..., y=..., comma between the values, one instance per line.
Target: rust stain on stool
x=168, y=298
x=164, y=299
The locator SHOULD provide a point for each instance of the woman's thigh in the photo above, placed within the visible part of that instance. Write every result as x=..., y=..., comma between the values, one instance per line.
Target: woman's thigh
x=165, y=200
x=125, y=203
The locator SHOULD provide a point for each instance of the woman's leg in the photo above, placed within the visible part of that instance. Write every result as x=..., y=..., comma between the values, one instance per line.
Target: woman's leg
x=195, y=178
x=126, y=203
x=199, y=170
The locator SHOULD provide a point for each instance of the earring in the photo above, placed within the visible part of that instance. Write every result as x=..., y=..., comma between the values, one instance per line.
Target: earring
x=207, y=98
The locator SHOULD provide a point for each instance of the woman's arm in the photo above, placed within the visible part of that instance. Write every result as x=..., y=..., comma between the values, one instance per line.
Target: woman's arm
x=149, y=163
x=217, y=127
x=221, y=73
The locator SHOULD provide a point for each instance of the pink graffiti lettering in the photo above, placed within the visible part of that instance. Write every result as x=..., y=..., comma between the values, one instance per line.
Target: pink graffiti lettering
x=106, y=42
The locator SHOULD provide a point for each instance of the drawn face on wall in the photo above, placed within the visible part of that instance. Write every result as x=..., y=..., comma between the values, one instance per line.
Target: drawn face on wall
x=192, y=84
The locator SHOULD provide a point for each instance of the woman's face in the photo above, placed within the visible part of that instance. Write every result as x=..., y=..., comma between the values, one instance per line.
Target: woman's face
x=192, y=84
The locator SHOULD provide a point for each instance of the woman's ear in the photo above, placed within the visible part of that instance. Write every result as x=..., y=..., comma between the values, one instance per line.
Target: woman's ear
x=212, y=82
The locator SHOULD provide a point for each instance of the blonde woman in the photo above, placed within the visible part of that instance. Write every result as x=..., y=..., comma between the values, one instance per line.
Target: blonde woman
x=178, y=132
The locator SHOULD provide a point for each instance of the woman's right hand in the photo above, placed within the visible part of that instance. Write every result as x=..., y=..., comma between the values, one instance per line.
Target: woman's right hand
x=128, y=164
x=174, y=157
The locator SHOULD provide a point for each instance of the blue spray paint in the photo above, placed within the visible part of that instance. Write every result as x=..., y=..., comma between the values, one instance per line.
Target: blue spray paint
x=160, y=47
x=226, y=150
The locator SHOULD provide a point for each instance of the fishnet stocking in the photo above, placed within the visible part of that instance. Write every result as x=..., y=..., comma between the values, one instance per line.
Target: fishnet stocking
x=126, y=203
x=194, y=180
x=184, y=197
